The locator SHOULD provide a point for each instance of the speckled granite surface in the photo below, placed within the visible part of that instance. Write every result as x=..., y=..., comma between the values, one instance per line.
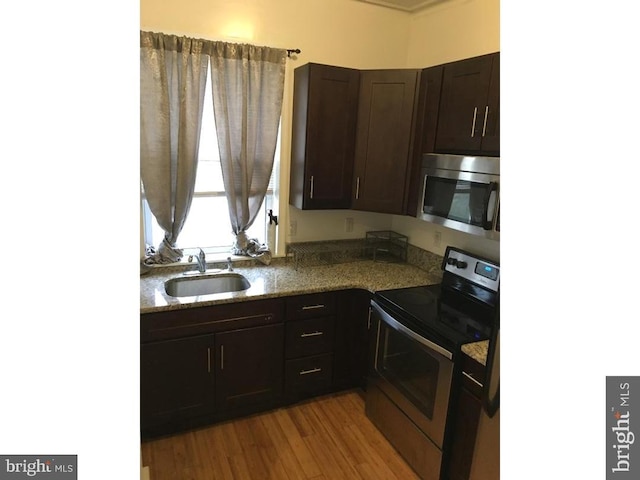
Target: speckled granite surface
x=282, y=279
x=478, y=351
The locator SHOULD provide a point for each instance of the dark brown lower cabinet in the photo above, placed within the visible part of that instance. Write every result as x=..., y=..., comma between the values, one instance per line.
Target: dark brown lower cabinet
x=308, y=376
x=177, y=380
x=202, y=365
x=249, y=368
x=464, y=435
x=310, y=329
x=350, y=348
x=467, y=411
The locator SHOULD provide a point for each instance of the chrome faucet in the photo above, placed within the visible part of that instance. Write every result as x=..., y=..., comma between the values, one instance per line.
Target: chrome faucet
x=202, y=262
x=229, y=264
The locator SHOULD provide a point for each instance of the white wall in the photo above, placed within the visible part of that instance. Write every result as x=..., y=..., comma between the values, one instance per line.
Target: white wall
x=337, y=32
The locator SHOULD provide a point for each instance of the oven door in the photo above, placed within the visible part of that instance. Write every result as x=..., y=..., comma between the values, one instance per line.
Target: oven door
x=414, y=372
x=460, y=199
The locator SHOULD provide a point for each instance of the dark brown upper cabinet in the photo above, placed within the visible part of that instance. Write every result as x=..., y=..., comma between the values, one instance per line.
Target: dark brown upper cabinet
x=384, y=139
x=325, y=102
x=359, y=136
x=426, y=121
x=469, y=113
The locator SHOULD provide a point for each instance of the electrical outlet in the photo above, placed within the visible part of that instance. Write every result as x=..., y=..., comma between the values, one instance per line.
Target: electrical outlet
x=293, y=228
x=348, y=224
x=437, y=239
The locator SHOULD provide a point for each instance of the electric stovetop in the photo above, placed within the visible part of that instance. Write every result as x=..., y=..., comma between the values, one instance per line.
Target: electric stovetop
x=437, y=314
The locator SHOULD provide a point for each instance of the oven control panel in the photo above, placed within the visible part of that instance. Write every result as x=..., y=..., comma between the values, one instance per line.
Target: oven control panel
x=475, y=269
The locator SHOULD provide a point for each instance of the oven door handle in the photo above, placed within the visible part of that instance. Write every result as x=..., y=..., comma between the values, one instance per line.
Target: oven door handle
x=393, y=323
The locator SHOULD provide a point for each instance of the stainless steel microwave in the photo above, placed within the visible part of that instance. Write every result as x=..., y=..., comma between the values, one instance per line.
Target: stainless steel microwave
x=462, y=193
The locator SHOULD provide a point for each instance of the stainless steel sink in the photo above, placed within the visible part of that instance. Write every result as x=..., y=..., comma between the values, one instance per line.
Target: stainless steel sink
x=206, y=284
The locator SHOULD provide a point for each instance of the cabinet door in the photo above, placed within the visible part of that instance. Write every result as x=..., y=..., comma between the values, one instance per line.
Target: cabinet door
x=467, y=415
x=463, y=103
x=426, y=124
x=351, y=339
x=491, y=131
x=176, y=379
x=249, y=367
x=324, y=122
x=383, y=139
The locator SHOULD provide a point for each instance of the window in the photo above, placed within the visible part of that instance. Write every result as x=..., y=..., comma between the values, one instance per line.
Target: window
x=207, y=225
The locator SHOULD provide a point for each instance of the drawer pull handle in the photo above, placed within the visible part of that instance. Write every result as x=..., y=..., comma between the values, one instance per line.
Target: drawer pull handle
x=221, y=357
x=209, y=360
x=472, y=379
x=312, y=307
x=314, y=334
x=313, y=370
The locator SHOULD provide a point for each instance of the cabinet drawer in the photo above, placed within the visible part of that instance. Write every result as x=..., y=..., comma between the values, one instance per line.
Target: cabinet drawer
x=309, y=337
x=211, y=319
x=310, y=306
x=473, y=376
x=309, y=375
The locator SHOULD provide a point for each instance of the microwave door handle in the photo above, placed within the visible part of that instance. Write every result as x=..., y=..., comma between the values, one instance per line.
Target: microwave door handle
x=488, y=224
x=424, y=194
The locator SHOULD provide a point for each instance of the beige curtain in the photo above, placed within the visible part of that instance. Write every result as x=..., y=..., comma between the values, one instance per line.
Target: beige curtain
x=248, y=84
x=173, y=74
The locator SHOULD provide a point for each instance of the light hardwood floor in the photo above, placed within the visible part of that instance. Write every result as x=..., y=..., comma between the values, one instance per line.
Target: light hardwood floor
x=325, y=438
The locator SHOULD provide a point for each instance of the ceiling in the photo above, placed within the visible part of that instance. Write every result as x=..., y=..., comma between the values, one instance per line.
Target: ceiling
x=404, y=5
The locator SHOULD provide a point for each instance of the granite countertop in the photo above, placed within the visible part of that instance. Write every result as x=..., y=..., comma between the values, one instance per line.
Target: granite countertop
x=283, y=279
x=477, y=350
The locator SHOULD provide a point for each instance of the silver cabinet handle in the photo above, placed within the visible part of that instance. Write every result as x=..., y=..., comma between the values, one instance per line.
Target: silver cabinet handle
x=209, y=360
x=472, y=379
x=314, y=334
x=312, y=307
x=221, y=357
x=311, y=192
x=484, y=125
x=357, y=188
x=307, y=372
x=473, y=125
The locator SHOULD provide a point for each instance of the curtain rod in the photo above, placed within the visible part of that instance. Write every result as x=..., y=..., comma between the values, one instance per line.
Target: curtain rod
x=291, y=51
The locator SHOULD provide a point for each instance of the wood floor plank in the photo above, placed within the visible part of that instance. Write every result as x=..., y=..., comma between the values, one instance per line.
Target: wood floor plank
x=215, y=454
x=239, y=467
x=330, y=461
x=162, y=459
x=301, y=421
x=327, y=438
x=290, y=451
x=300, y=449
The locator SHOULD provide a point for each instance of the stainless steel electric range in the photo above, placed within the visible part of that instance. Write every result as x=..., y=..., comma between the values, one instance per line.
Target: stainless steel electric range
x=419, y=334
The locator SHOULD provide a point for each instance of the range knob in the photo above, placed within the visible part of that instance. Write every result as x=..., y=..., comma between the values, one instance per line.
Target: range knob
x=451, y=261
x=461, y=264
